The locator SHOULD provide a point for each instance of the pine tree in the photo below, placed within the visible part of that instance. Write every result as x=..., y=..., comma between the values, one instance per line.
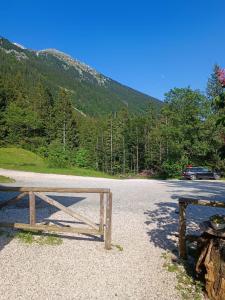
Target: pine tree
x=64, y=121
x=214, y=87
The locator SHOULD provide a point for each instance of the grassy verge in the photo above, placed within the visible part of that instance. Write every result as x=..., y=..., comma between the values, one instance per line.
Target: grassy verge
x=4, y=179
x=23, y=160
x=33, y=237
x=188, y=287
x=63, y=171
x=30, y=237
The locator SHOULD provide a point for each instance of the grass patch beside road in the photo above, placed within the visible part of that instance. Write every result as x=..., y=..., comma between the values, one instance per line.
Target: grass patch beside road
x=188, y=287
x=30, y=237
x=23, y=160
x=4, y=179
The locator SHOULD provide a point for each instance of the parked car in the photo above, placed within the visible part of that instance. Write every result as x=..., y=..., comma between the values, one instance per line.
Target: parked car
x=199, y=173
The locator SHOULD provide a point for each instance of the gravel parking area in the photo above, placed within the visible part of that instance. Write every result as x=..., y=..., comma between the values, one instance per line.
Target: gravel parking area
x=145, y=222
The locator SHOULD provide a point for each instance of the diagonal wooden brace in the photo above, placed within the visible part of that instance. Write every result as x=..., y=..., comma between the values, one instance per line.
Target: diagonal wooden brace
x=13, y=200
x=66, y=210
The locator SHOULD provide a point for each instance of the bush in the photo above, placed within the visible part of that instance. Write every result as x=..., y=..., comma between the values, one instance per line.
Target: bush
x=82, y=158
x=171, y=169
x=57, y=157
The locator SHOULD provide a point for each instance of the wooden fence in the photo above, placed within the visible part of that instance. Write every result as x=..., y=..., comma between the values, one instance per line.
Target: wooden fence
x=183, y=203
x=103, y=229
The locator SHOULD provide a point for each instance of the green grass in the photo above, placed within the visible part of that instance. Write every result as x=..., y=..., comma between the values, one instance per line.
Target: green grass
x=118, y=247
x=188, y=287
x=19, y=159
x=4, y=179
x=30, y=237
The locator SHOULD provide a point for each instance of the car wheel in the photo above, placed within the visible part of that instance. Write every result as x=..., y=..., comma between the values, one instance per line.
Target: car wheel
x=193, y=177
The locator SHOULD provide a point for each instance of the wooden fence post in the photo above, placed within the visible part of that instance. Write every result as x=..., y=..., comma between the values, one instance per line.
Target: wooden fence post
x=32, y=208
x=182, y=229
x=102, y=213
x=108, y=227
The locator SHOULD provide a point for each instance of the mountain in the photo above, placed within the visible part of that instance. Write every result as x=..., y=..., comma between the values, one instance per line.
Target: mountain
x=91, y=92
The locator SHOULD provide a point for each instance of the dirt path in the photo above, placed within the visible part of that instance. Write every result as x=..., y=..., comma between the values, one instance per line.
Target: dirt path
x=144, y=223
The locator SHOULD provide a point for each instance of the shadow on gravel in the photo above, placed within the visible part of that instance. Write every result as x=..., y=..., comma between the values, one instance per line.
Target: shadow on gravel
x=162, y=222
x=5, y=239
x=210, y=190
x=162, y=225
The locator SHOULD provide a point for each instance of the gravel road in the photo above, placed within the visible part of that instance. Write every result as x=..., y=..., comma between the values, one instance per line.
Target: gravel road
x=144, y=224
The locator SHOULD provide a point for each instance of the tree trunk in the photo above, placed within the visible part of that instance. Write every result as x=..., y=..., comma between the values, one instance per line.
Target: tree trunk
x=64, y=135
x=111, y=147
x=137, y=153
x=160, y=151
x=124, y=156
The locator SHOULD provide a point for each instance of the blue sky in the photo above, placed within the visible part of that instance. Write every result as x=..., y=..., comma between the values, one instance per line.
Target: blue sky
x=151, y=46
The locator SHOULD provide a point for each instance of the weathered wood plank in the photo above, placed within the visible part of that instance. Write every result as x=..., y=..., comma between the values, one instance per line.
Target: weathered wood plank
x=13, y=200
x=53, y=189
x=182, y=230
x=50, y=228
x=101, y=225
x=108, y=227
x=192, y=201
x=66, y=210
x=32, y=208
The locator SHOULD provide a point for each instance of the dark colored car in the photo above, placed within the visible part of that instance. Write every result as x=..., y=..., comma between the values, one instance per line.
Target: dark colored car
x=199, y=173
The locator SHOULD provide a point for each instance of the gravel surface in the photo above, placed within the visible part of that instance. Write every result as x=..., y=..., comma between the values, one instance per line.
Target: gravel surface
x=144, y=223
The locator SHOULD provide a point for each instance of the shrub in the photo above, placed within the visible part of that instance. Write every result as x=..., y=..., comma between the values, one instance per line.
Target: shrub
x=57, y=157
x=82, y=158
x=171, y=169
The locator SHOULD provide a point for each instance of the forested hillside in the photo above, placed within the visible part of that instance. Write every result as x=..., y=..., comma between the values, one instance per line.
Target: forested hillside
x=39, y=111
x=90, y=92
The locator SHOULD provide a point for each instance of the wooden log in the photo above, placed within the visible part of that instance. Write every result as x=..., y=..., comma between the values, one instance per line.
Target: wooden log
x=211, y=263
x=202, y=248
x=66, y=210
x=13, y=200
x=32, y=208
x=182, y=230
x=108, y=227
x=101, y=225
x=53, y=189
x=50, y=228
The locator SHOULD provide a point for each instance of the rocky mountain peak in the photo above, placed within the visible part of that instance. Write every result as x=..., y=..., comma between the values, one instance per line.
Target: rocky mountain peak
x=69, y=61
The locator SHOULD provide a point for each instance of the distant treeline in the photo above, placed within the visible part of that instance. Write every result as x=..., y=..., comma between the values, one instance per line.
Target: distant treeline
x=186, y=130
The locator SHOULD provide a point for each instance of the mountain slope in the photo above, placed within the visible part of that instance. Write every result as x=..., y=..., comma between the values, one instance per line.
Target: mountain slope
x=91, y=92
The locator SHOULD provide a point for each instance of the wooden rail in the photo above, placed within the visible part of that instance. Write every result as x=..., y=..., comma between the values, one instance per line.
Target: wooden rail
x=104, y=228
x=183, y=203
x=53, y=189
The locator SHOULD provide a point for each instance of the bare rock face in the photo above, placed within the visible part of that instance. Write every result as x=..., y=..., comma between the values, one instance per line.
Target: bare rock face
x=18, y=55
x=82, y=68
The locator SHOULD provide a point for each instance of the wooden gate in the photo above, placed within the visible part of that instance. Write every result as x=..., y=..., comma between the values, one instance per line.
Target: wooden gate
x=103, y=229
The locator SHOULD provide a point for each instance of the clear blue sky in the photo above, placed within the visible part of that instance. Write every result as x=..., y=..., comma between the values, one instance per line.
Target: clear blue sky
x=151, y=46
